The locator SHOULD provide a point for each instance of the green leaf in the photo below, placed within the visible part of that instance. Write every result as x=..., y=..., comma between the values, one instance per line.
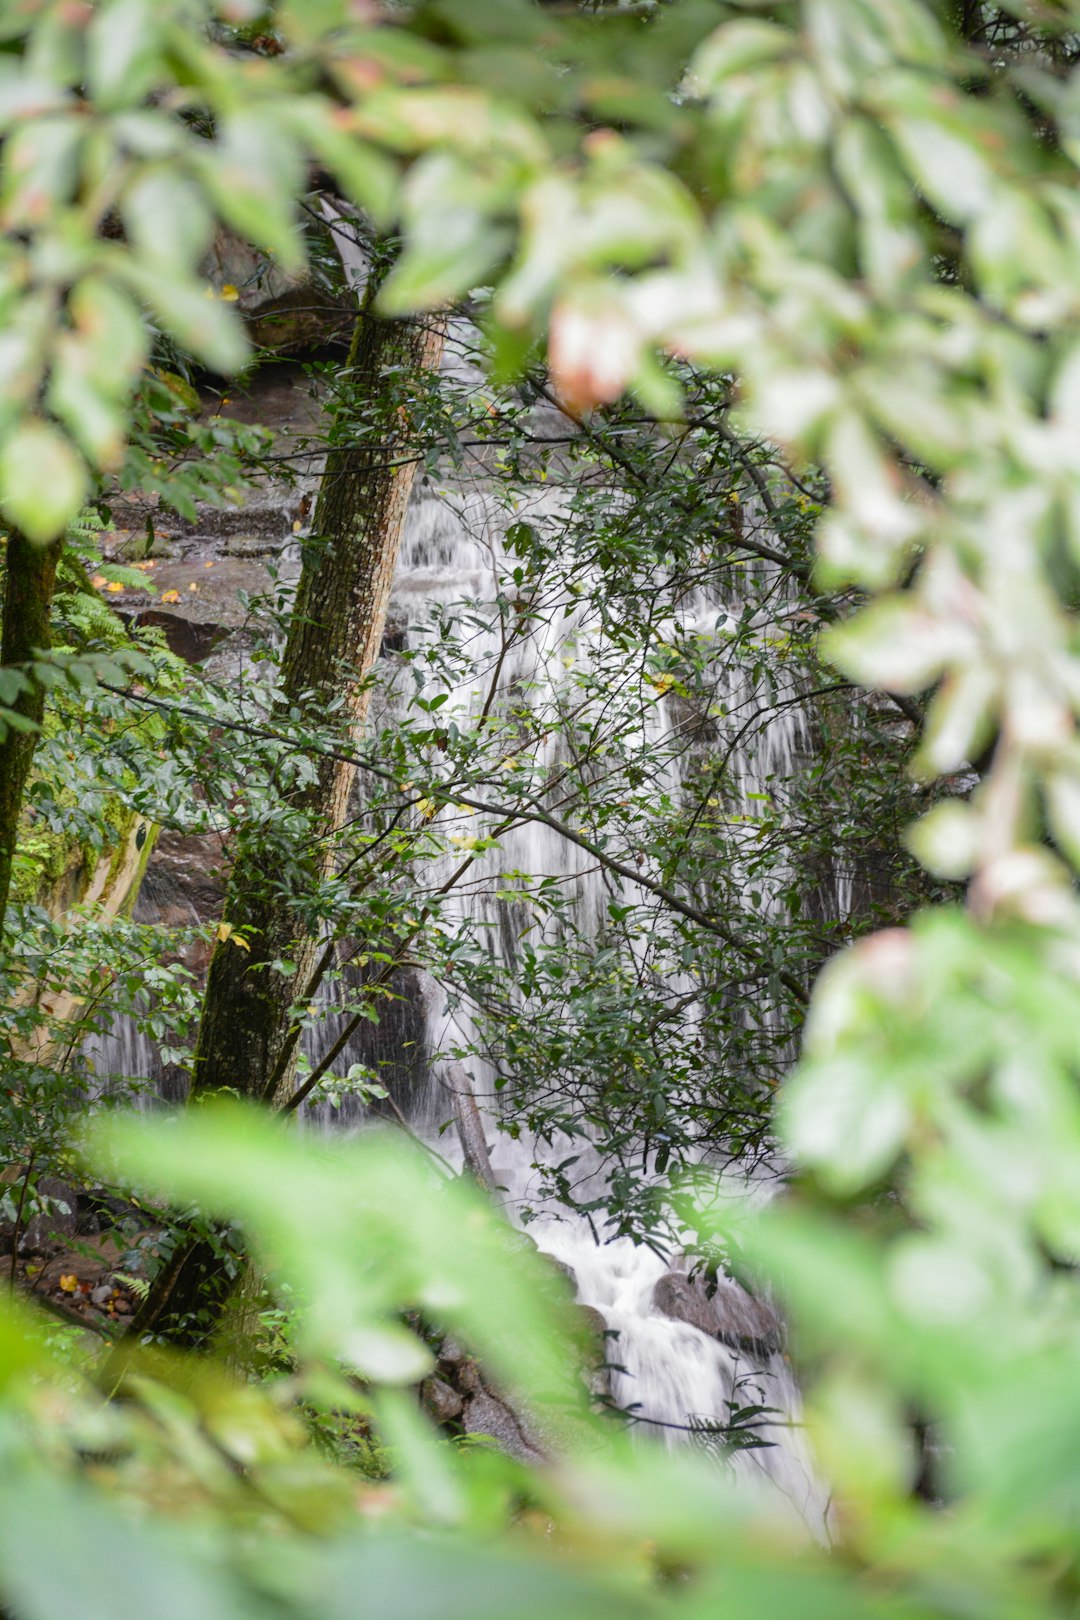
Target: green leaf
x=43, y=480
x=892, y=645
x=947, y=164
x=453, y=245
x=111, y=325
x=166, y=217
x=253, y=173
x=946, y=840
x=412, y=1579
x=53, y=1535
x=846, y=1118
x=92, y=417
x=363, y=1230
x=123, y=52
x=366, y=175
x=736, y=48
x=192, y=313
x=40, y=169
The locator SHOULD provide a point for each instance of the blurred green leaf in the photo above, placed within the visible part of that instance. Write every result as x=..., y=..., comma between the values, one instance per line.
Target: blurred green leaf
x=43, y=480
x=362, y=1231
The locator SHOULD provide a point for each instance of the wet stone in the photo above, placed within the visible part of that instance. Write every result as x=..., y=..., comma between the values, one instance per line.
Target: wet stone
x=441, y=1399
x=486, y=1415
x=728, y=1313
x=56, y=1220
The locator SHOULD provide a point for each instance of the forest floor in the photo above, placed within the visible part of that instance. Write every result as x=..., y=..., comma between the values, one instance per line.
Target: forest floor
x=93, y=1280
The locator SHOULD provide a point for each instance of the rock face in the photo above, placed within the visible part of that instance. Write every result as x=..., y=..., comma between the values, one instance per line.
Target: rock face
x=284, y=313
x=441, y=1399
x=729, y=1313
x=201, y=571
x=486, y=1414
x=597, y=1370
x=55, y=1221
x=461, y=1394
x=184, y=884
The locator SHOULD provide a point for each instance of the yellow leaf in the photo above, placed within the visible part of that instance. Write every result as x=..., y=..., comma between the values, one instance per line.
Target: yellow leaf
x=193, y=586
x=170, y=596
x=238, y=939
x=114, y=585
x=224, y=929
x=229, y=293
x=69, y=1282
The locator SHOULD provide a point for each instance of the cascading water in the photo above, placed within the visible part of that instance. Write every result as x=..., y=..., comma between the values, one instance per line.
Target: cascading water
x=682, y=1359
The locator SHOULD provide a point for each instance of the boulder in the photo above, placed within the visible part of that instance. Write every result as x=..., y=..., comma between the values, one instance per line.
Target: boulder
x=728, y=1313
x=441, y=1399
x=597, y=1373
x=746, y=1323
x=57, y=1219
x=485, y=1414
x=684, y=1301
x=452, y=1352
x=284, y=313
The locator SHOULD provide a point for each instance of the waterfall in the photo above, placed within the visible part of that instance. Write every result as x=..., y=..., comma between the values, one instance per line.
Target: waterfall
x=683, y=1355
x=675, y=1378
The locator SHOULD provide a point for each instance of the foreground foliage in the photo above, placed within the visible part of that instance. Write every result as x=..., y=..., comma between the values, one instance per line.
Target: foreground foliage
x=871, y=225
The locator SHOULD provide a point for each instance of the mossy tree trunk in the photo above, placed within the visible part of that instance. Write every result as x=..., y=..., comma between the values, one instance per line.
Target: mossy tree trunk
x=246, y=1042
x=29, y=584
x=334, y=639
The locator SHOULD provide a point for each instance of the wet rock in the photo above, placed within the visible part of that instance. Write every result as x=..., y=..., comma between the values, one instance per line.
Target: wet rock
x=485, y=1414
x=594, y=1323
x=729, y=1314
x=56, y=1220
x=284, y=313
x=676, y=1296
x=596, y=1370
x=569, y=1273
x=469, y=1378
x=185, y=638
x=184, y=881
x=206, y=597
x=451, y=1352
x=441, y=1399
x=395, y=636
x=744, y=1322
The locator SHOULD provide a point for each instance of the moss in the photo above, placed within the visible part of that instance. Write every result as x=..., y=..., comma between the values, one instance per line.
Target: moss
x=43, y=860
x=152, y=831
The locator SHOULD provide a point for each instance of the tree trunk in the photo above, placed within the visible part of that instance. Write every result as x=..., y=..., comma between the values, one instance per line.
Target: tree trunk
x=29, y=583
x=246, y=1042
x=334, y=639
